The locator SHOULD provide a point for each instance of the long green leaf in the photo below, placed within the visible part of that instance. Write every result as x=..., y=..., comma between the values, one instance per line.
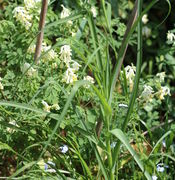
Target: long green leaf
x=120, y=135
x=22, y=169
x=160, y=141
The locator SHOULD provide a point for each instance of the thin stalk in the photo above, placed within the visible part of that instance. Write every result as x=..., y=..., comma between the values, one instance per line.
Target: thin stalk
x=41, y=32
x=109, y=152
x=136, y=81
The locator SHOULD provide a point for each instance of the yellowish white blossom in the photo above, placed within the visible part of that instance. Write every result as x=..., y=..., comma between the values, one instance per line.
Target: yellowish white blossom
x=31, y=49
x=31, y=4
x=30, y=70
x=130, y=74
x=69, y=76
x=50, y=53
x=1, y=86
x=164, y=91
x=54, y=65
x=55, y=106
x=75, y=65
x=11, y=130
x=145, y=19
x=161, y=76
x=46, y=106
x=146, y=31
x=147, y=94
x=170, y=36
x=90, y=79
x=65, y=54
x=23, y=16
x=94, y=11
x=65, y=13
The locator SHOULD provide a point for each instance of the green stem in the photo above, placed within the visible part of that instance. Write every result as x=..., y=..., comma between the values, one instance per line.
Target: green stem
x=108, y=145
x=136, y=81
x=95, y=41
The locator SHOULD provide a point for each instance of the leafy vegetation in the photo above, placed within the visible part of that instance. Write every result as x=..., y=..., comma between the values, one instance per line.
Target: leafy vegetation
x=98, y=101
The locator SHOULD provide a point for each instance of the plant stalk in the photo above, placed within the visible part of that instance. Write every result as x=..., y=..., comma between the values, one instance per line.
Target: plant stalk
x=41, y=30
x=136, y=81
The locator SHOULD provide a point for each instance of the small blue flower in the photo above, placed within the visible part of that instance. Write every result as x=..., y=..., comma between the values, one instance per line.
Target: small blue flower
x=113, y=144
x=154, y=177
x=64, y=149
x=161, y=167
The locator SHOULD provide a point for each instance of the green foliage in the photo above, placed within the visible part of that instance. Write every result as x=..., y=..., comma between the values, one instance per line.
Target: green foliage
x=93, y=107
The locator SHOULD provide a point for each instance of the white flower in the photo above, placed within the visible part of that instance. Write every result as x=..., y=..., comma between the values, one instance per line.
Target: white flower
x=31, y=4
x=30, y=70
x=154, y=177
x=46, y=106
x=94, y=11
x=90, y=79
x=66, y=54
x=130, y=74
x=65, y=12
x=170, y=36
x=55, y=106
x=161, y=76
x=64, y=149
x=164, y=143
x=147, y=93
x=146, y=31
x=50, y=54
x=123, y=105
x=69, y=76
x=1, y=86
x=164, y=90
x=145, y=19
x=75, y=65
x=31, y=49
x=11, y=130
x=23, y=16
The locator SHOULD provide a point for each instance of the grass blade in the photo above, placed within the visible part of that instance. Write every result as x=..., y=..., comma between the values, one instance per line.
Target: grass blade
x=120, y=135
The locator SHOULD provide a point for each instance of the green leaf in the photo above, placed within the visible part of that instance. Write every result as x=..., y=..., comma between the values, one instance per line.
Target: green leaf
x=120, y=135
x=106, y=106
x=4, y=146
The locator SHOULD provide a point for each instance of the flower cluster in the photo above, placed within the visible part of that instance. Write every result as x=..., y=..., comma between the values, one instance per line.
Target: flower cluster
x=146, y=31
x=170, y=36
x=49, y=54
x=30, y=71
x=65, y=13
x=31, y=4
x=90, y=79
x=147, y=94
x=72, y=66
x=145, y=19
x=162, y=91
x=94, y=11
x=48, y=108
x=130, y=74
x=1, y=86
x=23, y=14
